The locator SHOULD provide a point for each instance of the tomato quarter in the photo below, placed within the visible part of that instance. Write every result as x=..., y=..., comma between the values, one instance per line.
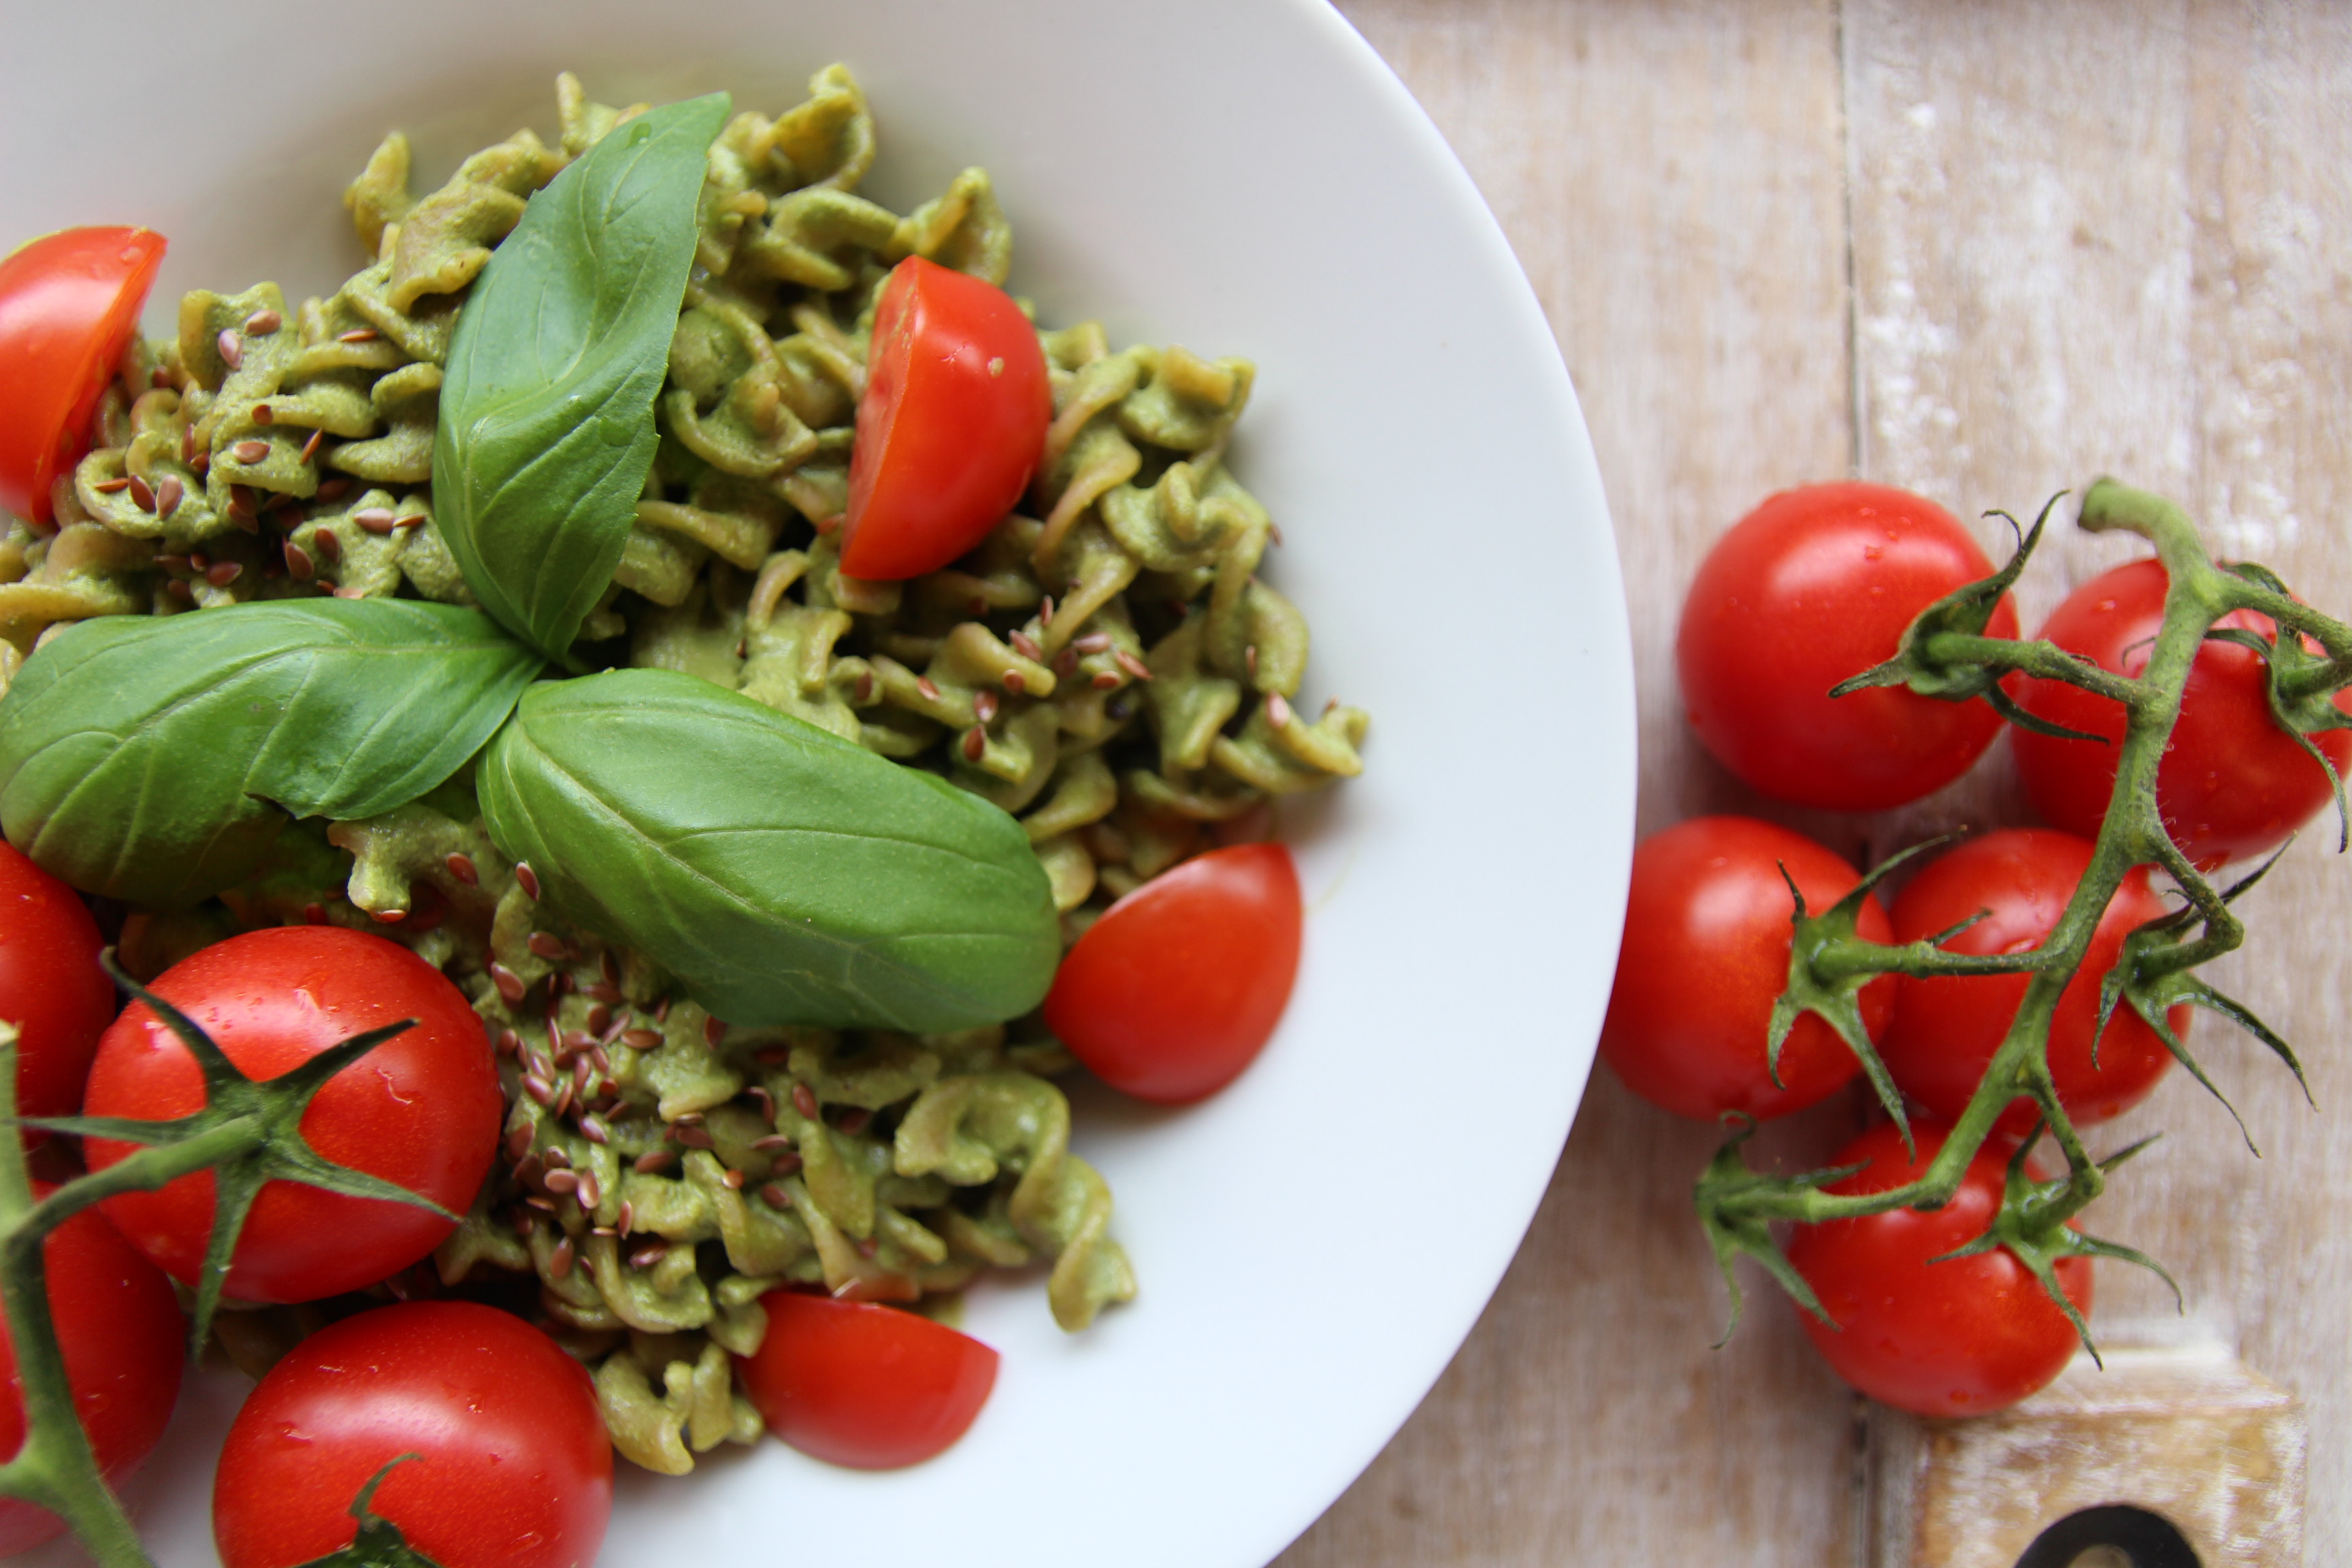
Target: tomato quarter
x=1961, y=1337
x=864, y=1385
x=951, y=426
x=1706, y=953
x=421, y=1110
x=513, y=1467
x=68, y=304
x=2232, y=784
x=1813, y=586
x=1178, y=986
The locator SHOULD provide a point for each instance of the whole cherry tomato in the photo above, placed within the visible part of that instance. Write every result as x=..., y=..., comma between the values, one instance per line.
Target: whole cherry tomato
x=119, y=1326
x=862, y=1384
x=1176, y=988
x=1944, y=1030
x=68, y=303
x=1961, y=1337
x=51, y=986
x=1815, y=586
x=512, y=1469
x=951, y=426
x=421, y=1110
x=2232, y=786
x=1704, y=956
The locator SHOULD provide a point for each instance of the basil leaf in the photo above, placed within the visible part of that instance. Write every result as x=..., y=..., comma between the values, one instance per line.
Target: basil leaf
x=547, y=424
x=783, y=874
x=139, y=755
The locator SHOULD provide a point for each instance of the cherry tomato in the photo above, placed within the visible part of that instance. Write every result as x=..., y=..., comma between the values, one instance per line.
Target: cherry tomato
x=951, y=423
x=1706, y=954
x=864, y=1385
x=51, y=985
x=513, y=1467
x=1944, y=1030
x=421, y=1110
x=1815, y=586
x=2232, y=786
x=118, y=1325
x=1176, y=988
x=1961, y=1337
x=68, y=303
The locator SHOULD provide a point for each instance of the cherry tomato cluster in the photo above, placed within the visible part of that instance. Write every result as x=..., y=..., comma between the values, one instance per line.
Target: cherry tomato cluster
x=1816, y=587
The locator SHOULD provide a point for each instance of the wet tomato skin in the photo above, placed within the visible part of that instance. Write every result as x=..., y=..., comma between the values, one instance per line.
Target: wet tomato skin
x=1961, y=1337
x=2233, y=783
x=423, y=1109
x=1944, y=1030
x=1817, y=584
x=1706, y=953
x=513, y=1466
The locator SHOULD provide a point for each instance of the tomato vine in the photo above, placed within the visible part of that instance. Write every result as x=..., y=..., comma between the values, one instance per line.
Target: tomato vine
x=1947, y=654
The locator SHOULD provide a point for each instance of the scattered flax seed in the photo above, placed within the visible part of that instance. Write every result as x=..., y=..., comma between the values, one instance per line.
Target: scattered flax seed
x=263, y=322
x=310, y=446
x=975, y=743
x=524, y=1222
x=1132, y=665
x=232, y=349
x=661, y=1011
x=328, y=547
x=539, y=1089
x=784, y=1165
x=1104, y=681
x=804, y=1101
x=733, y=1180
x=714, y=1033
x=528, y=878
x=240, y=500
x=172, y=563
x=772, y=1055
x=140, y=496
x=541, y=1203
x=509, y=984
x=1277, y=711
x=603, y=990
x=557, y=1157
x=168, y=495
x=462, y=868
x=772, y=1143
x=1045, y=611
x=984, y=706
x=1026, y=647
x=179, y=589
x=1249, y=658
x=389, y=917
x=264, y=415
x=1093, y=642
x=856, y=1121
x=600, y=1017
x=249, y=452
x=559, y=1263
x=930, y=689
x=509, y=1044
x=547, y=944
x=651, y=1161
x=358, y=335
x=1016, y=682
x=1065, y=663
x=563, y=1098
x=610, y=968
x=626, y=1220
x=375, y=519
x=865, y=687
x=646, y=1257
x=558, y=983
x=766, y=1102
x=221, y=574
x=692, y=1137
x=557, y=1046
x=777, y=1198
x=187, y=443
x=314, y=914
x=349, y=593
x=589, y=1190
x=111, y=487
x=592, y=1129
x=201, y=463
x=335, y=489
x=640, y=1039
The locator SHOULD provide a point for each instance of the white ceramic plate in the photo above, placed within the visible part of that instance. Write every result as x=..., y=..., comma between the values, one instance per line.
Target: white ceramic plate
x=1242, y=177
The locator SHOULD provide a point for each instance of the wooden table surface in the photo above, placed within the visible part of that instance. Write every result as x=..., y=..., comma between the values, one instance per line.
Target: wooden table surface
x=1987, y=251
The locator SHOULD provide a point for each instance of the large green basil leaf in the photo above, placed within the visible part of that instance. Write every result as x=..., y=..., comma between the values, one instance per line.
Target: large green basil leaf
x=784, y=875
x=547, y=411
x=139, y=755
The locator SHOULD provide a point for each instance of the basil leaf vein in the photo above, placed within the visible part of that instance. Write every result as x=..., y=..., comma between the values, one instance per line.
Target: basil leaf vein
x=146, y=758
x=546, y=430
x=782, y=874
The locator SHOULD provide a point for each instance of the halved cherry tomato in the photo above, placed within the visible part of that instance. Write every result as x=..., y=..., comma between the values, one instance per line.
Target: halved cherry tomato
x=1945, y=1030
x=51, y=986
x=1815, y=586
x=2232, y=784
x=1960, y=1337
x=951, y=423
x=1176, y=988
x=1704, y=956
x=68, y=303
x=421, y=1110
x=864, y=1385
x=118, y=1324
x=513, y=1467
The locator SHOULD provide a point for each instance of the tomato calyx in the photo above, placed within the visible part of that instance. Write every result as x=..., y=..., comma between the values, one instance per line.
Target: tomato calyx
x=2301, y=686
x=1739, y=1226
x=379, y=1544
x=249, y=1133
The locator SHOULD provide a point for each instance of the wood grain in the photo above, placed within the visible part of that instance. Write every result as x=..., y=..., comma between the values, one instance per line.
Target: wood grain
x=1986, y=250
